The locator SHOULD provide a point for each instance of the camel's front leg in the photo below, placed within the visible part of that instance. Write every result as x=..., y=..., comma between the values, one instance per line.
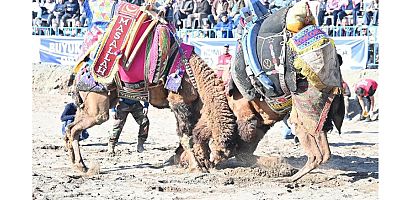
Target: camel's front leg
x=185, y=120
x=317, y=150
x=76, y=129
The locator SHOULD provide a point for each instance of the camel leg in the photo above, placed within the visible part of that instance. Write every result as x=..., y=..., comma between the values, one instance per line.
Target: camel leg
x=175, y=159
x=323, y=145
x=314, y=154
x=186, y=120
x=76, y=129
x=68, y=142
x=201, y=137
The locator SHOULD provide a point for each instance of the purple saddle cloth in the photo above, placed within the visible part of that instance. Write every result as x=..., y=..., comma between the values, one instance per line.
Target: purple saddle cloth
x=87, y=83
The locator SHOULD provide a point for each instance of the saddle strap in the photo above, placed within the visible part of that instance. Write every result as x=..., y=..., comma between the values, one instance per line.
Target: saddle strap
x=324, y=113
x=281, y=70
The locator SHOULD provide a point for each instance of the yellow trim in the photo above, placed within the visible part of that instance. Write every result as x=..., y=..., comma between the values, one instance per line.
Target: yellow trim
x=141, y=40
x=132, y=34
x=306, y=70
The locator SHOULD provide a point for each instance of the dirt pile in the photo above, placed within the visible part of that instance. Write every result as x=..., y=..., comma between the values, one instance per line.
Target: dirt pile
x=51, y=78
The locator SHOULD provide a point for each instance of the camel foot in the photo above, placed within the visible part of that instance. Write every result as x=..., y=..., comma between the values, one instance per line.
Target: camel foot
x=283, y=180
x=80, y=167
x=171, y=161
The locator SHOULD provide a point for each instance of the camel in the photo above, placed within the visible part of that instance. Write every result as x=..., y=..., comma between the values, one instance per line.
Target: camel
x=249, y=101
x=206, y=104
x=200, y=96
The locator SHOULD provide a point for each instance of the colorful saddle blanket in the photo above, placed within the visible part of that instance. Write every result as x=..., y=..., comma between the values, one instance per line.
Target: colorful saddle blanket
x=316, y=58
x=85, y=81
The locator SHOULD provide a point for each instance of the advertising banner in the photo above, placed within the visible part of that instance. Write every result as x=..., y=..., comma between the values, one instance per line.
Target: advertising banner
x=354, y=51
x=60, y=50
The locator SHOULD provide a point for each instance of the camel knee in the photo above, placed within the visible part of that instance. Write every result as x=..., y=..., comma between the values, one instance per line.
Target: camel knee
x=102, y=118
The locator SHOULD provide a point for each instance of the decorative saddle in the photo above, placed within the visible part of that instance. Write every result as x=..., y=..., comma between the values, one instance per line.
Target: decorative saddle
x=276, y=51
x=138, y=50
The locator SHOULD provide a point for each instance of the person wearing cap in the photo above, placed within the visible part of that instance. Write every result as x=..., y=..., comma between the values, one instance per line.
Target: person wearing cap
x=224, y=62
x=225, y=26
x=365, y=90
x=123, y=108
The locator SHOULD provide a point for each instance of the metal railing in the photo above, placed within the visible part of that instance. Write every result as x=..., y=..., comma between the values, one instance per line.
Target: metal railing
x=371, y=32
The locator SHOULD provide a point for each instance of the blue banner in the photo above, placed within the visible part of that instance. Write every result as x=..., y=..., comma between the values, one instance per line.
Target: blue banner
x=60, y=50
x=354, y=51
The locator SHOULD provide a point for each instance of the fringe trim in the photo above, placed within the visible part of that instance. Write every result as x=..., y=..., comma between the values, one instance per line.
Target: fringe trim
x=306, y=71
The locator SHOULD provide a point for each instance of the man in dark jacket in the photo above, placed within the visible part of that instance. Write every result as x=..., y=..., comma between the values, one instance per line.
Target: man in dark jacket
x=71, y=12
x=139, y=113
x=201, y=11
x=57, y=13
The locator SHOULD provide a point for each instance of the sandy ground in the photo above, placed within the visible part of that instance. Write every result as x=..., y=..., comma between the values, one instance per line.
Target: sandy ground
x=351, y=173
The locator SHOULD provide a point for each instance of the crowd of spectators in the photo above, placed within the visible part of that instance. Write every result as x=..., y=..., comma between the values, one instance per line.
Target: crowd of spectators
x=51, y=15
x=221, y=16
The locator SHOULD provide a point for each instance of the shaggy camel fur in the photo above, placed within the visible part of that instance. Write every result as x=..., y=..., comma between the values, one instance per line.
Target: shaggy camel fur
x=208, y=101
x=254, y=119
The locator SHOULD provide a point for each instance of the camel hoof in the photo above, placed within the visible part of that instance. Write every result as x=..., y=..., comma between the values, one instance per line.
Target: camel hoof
x=80, y=167
x=170, y=161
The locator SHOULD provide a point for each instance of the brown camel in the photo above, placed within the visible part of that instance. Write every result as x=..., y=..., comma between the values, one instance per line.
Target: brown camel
x=188, y=104
x=314, y=105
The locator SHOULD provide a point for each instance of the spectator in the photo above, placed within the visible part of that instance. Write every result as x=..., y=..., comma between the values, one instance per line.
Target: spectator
x=71, y=12
x=224, y=62
x=49, y=7
x=275, y=5
x=201, y=10
x=356, y=10
x=333, y=8
x=55, y=30
x=68, y=116
x=371, y=8
x=37, y=26
x=57, y=13
x=234, y=10
x=217, y=8
x=77, y=29
x=321, y=12
x=225, y=26
x=36, y=10
x=344, y=5
x=365, y=90
x=139, y=113
x=82, y=13
x=185, y=8
x=346, y=95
